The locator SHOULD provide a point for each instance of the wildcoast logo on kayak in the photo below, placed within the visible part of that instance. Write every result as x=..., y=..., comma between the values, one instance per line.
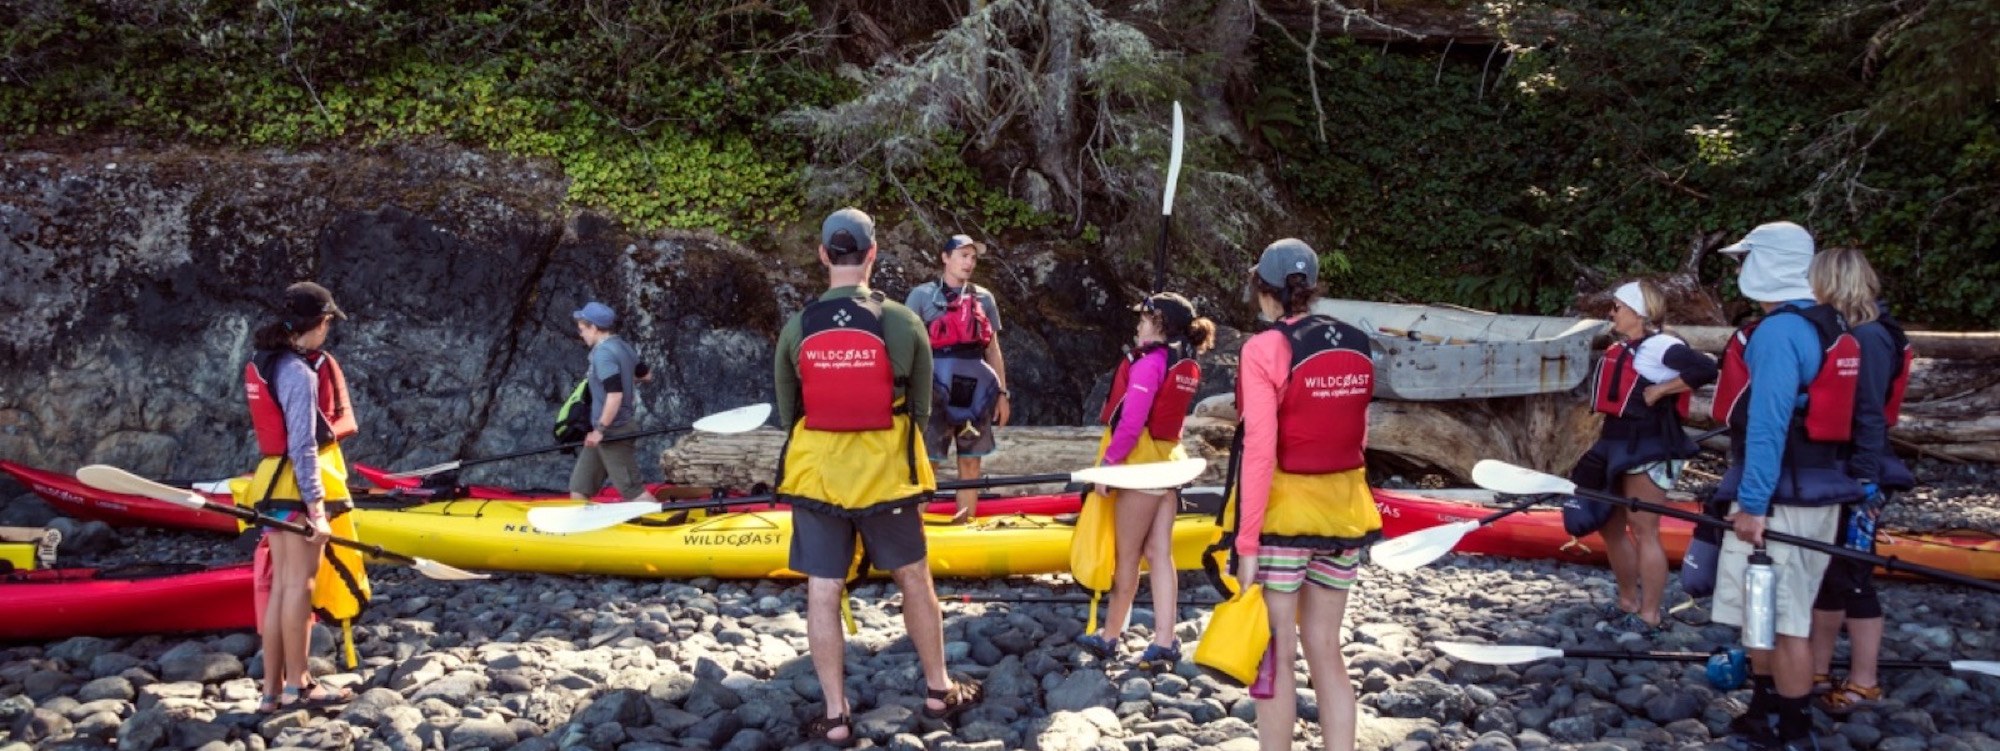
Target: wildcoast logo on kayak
x=732, y=539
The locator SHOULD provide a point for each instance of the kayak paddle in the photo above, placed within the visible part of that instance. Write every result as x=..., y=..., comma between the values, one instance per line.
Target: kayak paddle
x=104, y=477
x=738, y=420
x=1500, y=476
x=1167, y=203
x=1512, y=654
x=570, y=519
x=1417, y=549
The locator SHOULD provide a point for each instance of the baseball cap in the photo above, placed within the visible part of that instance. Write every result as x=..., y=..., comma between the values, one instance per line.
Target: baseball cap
x=1772, y=235
x=1776, y=259
x=1286, y=257
x=596, y=314
x=960, y=241
x=308, y=300
x=1176, y=312
x=847, y=231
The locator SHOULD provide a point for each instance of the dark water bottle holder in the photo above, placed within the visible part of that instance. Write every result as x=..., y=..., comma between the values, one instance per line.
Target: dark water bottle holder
x=963, y=390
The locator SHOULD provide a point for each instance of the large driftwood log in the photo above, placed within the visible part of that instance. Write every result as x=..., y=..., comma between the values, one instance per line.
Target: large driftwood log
x=1546, y=432
x=1951, y=409
x=1937, y=345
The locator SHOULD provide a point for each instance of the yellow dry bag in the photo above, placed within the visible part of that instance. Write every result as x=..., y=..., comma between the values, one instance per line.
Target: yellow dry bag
x=1233, y=645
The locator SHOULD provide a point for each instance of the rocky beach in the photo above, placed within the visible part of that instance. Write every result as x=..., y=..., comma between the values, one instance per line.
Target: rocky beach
x=553, y=662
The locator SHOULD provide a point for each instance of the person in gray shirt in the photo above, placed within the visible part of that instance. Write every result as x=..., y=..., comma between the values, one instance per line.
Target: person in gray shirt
x=969, y=396
x=614, y=397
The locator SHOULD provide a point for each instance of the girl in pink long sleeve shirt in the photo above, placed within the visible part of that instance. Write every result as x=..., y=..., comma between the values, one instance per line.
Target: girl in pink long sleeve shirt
x=1303, y=507
x=1149, y=400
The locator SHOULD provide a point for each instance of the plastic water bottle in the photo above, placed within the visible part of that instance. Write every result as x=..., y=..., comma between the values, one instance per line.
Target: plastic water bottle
x=1760, y=603
x=1860, y=532
x=1266, y=685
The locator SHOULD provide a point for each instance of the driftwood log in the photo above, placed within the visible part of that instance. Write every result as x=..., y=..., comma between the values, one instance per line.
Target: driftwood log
x=1546, y=431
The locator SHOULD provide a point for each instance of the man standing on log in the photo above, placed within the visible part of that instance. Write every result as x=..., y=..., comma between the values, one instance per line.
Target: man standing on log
x=971, y=375
x=1787, y=392
x=853, y=382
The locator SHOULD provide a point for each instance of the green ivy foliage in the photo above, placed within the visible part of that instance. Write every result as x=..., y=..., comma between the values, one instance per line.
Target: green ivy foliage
x=1491, y=181
x=656, y=109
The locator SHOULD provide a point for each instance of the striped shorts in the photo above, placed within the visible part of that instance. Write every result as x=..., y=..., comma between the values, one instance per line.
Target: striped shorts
x=1285, y=570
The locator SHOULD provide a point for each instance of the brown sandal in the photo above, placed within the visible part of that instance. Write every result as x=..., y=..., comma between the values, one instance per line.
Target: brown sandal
x=1823, y=683
x=821, y=729
x=960, y=697
x=1847, y=697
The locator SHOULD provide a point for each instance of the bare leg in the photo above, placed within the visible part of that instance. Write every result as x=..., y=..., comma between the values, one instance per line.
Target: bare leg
x=968, y=499
x=1825, y=634
x=1278, y=715
x=1864, y=636
x=924, y=619
x=1650, y=556
x=1133, y=512
x=274, y=626
x=1319, y=626
x=294, y=564
x=1792, y=666
x=1166, y=580
x=1624, y=560
x=827, y=644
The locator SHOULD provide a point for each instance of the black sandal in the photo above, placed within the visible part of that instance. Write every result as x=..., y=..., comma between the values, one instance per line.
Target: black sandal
x=960, y=697
x=821, y=729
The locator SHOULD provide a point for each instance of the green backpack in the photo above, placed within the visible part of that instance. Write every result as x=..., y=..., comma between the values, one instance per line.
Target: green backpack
x=573, y=419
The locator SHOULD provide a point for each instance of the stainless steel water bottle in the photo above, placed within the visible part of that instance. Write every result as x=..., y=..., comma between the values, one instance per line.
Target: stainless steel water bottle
x=1760, y=603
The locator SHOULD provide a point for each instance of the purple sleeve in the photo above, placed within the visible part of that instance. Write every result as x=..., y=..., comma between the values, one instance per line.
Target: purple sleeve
x=298, y=396
x=1145, y=379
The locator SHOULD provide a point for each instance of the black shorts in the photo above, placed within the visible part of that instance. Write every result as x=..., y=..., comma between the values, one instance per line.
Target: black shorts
x=823, y=544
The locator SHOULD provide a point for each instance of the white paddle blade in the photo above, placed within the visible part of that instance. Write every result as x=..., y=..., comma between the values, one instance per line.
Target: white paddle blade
x=1417, y=549
x=1173, y=165
x=425, y=472
x=442, y=572
x=590, y=517
x=1495, y=654
x=1149, y=476
x=1496, y=475
x=738, y=420
x=1976, y=666
x=106, y=477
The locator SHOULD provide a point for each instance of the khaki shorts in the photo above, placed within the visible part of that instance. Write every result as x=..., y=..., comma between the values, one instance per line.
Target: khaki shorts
x=610, y=459
x=1799, y=570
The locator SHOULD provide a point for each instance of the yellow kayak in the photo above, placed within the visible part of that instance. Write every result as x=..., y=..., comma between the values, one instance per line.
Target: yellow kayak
x=27, y=548
x=496, y=536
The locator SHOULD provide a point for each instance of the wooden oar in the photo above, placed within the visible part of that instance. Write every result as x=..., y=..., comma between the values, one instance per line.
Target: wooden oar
x=1512, y=654
x=738, y=420
x=570, y=519
x=1497, y=475
x=1417, y=549
x=116, y=480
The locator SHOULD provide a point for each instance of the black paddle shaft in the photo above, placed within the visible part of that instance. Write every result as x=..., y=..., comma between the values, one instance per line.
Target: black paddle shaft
x=566, y=446
x=304, y=531
x=979, y=484
x=1889, y=562
x=1661, y=656
x=1524, y=505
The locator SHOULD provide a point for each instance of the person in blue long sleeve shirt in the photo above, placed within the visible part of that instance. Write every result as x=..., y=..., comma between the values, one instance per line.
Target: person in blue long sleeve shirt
x=1780, y=479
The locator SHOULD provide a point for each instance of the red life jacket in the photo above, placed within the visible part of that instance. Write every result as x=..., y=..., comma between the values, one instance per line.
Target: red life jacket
x=964, y=323
x=1323, y=412
x=336, y=409
x=1170, y=406
x=847, y=381
x=1892, y=407
x=1620, y=390
x=1829, y=409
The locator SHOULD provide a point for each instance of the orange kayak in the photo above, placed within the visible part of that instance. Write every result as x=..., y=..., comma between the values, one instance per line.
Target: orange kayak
x=1538, y=534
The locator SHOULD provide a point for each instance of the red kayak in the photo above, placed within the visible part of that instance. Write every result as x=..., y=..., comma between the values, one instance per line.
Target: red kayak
x=72, y=498
x=150, y=599
x=1538, y=533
